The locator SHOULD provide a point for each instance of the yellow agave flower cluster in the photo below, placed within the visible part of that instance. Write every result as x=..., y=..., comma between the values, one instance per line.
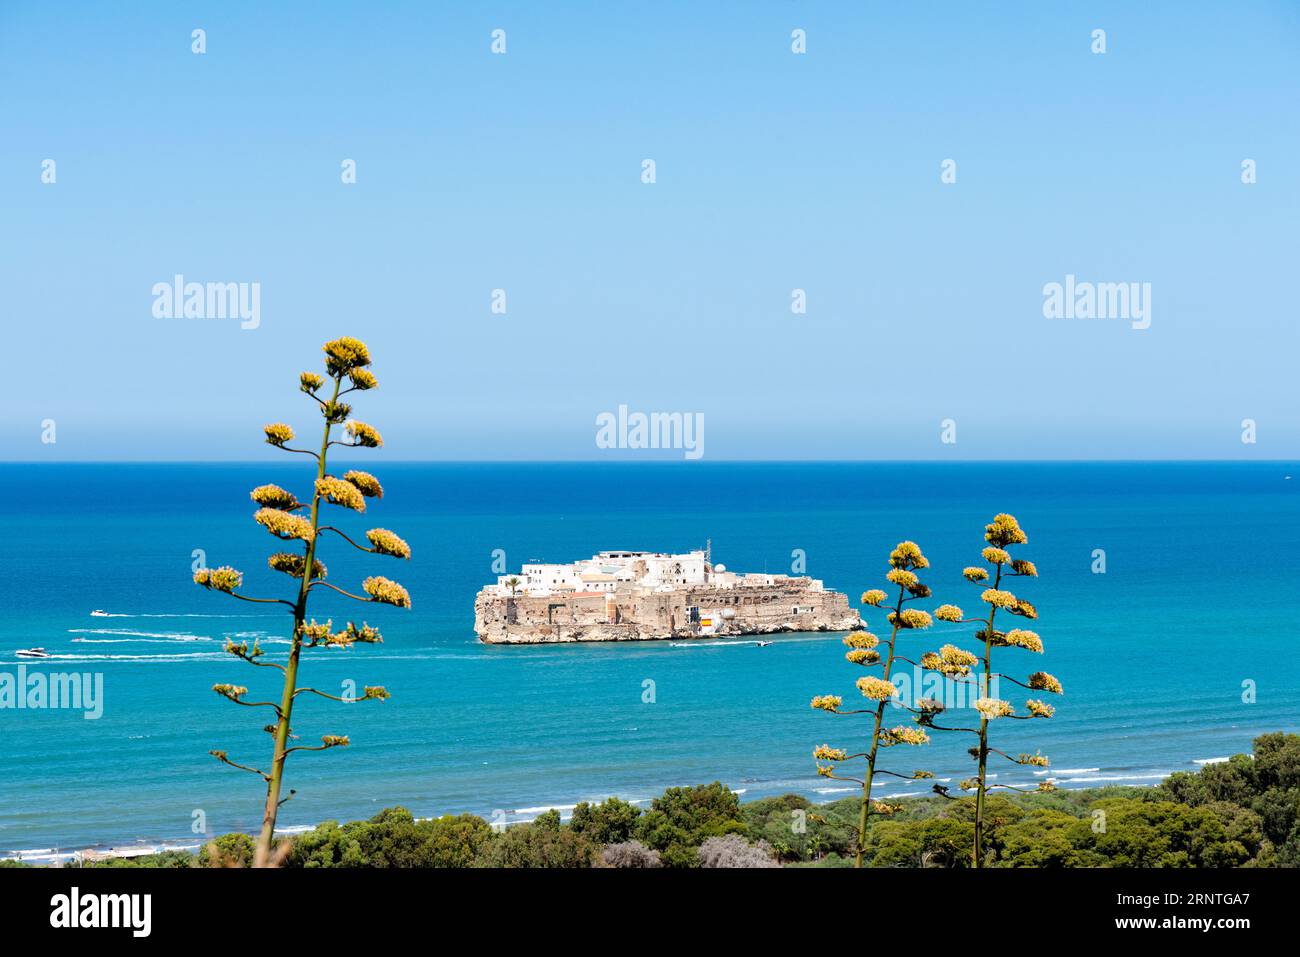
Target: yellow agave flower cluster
x=242, y=650
x=999, y=598
x=365, y=483
x=949, y=660
x=873, y=597
x=877, y=689
x=993, y=708
x=284, y=524
x=293, y=565
x=387, y=592
x=278, y=434
x=948, y=613
x=907, y=555
x=345, y=354
x=1042, y=681
x=824, y=752
x=1039, y=709
x=335, y=411
x=911, y=618
x=339, y=492
x=1020, y=638
x=903, y=734
x=224, y=579
x=827, y=702
x=272, y=496
x=387, y=543
x=362, y=379
x=1004, y=530
x=861, y=645
x=318, y=633
x=352, y=635
x=363, y=435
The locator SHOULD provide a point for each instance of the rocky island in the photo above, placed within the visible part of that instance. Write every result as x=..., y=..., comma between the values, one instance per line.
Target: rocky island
x=635, y=596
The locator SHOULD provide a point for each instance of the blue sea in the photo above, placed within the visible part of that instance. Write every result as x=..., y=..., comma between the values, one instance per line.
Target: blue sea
x=1177, y=655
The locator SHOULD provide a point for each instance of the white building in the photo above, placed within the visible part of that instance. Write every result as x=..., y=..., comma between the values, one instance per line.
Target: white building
x=608, y=572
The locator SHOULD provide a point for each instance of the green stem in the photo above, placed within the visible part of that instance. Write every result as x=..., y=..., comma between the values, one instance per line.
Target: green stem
x=978, y=852
x=263, y=852
x=875, y=742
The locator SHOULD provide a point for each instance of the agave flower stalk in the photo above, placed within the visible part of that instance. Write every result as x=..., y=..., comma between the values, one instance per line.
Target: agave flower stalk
x=279, y=513
x=905, y=560
x=1001, y=534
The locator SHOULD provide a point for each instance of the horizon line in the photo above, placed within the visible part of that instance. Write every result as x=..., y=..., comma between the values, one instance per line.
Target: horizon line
x=690, y=463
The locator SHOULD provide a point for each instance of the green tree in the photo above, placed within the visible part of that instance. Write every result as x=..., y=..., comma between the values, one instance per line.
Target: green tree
x=228, y=850
x=279, y=512
x=538, y=844
x=904, y=561
x=799, y=830
x=1165, y=834
x=611, y=822
x=681, y=819
x=1266, y=781
x=1044, y=838
x=393, y=838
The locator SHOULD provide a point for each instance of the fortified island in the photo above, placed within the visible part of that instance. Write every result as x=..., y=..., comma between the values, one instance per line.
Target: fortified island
x=635, y=596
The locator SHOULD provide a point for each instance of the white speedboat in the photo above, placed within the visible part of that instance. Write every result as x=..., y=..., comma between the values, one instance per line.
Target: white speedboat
x=33, y=653
x=99, y=613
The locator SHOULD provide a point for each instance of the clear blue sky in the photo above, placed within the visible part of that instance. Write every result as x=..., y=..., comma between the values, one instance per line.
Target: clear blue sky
x=775, y=171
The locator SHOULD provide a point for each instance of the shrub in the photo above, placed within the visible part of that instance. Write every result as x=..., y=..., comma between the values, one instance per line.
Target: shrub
x=537, y=845
x=609, y=823
x=732, y=850
x=629, y=854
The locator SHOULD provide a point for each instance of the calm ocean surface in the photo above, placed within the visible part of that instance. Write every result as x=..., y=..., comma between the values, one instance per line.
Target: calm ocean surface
x=1201, y=594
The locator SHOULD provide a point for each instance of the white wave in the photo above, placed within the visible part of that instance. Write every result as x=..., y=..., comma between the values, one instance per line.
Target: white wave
x=833, y=790
x=109, y=614
x=1099, y=778
x=128, y=632
x=1209, y=760
x=132, y=641
x=544, y=809
x=175, y=656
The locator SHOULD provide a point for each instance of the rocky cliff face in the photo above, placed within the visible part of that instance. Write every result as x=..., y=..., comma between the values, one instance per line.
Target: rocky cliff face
x=633, y=615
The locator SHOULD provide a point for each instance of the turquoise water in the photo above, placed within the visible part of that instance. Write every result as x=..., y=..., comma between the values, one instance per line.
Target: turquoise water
x=1200, y=595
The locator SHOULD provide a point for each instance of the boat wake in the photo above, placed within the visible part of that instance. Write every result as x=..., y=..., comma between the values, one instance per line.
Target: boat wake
x=117, y=614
